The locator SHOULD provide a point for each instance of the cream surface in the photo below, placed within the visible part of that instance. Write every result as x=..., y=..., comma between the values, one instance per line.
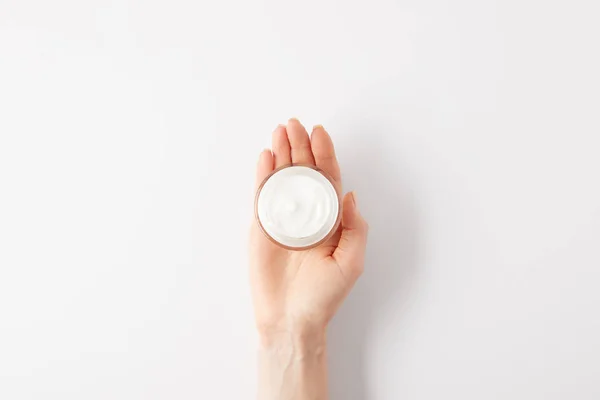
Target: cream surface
x=298, y=206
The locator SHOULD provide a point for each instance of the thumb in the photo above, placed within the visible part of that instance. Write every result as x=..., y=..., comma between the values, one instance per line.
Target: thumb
x=350, y=252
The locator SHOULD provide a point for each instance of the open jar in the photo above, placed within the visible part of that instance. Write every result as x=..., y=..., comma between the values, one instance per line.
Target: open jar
x=298, y=207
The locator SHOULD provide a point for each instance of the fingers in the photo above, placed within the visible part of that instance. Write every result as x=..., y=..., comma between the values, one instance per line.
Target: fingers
x=299, y=143
x=350, y=253
x=281, y=147
x=264, y=166
x=324, y=153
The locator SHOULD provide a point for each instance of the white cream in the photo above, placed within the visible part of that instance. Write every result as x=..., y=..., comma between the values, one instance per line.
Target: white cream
x=297, y=206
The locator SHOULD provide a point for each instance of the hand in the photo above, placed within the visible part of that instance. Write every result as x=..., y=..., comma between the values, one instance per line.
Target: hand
x=296, y=293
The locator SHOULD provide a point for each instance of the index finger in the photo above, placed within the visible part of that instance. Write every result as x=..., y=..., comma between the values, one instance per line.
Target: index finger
x=324, y=152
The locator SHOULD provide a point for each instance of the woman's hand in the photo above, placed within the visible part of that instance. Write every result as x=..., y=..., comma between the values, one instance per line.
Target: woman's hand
x=296, y=293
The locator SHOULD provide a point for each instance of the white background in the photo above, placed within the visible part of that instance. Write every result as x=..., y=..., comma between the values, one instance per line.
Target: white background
x=129, y=131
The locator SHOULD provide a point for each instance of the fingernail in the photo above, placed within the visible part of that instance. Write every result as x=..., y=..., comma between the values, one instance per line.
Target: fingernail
x=294, y=119
x=354, y=199
x=318, y=127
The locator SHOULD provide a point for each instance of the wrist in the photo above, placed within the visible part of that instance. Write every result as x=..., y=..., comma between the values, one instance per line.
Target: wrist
x=302, y=341
x=293, y=365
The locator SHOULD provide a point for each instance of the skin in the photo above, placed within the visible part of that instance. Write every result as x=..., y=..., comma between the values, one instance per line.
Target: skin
x=296, y=293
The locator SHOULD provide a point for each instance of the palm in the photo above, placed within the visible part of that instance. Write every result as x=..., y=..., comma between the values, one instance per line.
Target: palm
x=301, y=287
x=305, y=284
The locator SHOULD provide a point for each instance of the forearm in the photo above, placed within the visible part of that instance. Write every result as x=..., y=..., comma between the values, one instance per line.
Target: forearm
x=293, y=367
